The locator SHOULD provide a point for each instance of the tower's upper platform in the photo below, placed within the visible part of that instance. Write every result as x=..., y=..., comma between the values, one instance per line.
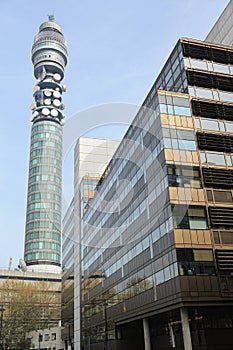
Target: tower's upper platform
x=49, y=49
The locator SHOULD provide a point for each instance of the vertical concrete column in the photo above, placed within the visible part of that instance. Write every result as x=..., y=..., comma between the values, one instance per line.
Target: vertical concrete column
x=146, y=330
x=186, y=329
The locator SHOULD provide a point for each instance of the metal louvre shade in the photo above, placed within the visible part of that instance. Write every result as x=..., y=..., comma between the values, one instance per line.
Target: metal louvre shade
x=212, y=54
x=218, y=178
x=215, y=142
x=224, y=259
x=210, y=80
x=212, y=110
x=221, y=217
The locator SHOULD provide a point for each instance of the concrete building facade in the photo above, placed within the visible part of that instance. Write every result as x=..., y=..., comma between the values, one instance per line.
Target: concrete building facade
x=91, y=157
x=222, y=31
x=45, y=321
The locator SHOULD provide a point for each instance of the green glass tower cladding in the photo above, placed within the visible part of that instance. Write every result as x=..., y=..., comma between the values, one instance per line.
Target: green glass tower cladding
x=43, y=218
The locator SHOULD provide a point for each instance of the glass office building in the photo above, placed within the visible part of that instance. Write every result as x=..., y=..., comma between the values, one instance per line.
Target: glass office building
x=157, y=239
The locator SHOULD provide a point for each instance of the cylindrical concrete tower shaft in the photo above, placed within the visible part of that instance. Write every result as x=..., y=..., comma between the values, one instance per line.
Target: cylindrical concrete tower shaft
x=43, y=218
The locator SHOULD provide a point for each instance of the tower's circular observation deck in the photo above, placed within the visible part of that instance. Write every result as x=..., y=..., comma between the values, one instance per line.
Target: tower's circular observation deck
x=49, y=49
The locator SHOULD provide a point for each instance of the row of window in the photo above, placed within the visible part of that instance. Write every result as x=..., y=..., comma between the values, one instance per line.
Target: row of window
x=44, y=205
x=43, y=234
x=45, y=169
x=211, y=94
x=179, y=139
x=46, y=127
x=179, y=144
x=193, y=218
x=37, y=178
x=212, y=158
x=44, y=215
x=45, y=143
x=43, y=245
x=44, y=187
x=47, y=135
x=175, y=110
x=219, y=196
x=49, y=56
x=44, y=195
x=208, y=66
x=180, y=176
x=43, y=224
x=45, y=160
x=46, y=152
x=213, y=124
x=43, y=256
x=47, y=337
x=46, y=43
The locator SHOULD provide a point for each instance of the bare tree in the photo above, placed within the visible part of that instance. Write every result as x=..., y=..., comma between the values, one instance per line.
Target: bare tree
x=28, y=306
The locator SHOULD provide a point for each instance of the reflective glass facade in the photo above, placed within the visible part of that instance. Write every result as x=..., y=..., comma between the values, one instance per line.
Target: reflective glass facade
x=43, y=225
x=153, y=257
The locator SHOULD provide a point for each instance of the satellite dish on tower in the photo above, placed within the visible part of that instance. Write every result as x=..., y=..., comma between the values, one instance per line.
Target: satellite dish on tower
x=45, y=111
x=54, y=113
x=47, y=101
x=22, y=265
x=47, y=93
x=56, y=102
x=57, y=94
x=57, y=77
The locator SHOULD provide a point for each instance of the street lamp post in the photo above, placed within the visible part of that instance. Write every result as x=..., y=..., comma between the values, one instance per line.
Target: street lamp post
x=70, y=347
x=105, y=326
x=40, y=336
x=2, y=309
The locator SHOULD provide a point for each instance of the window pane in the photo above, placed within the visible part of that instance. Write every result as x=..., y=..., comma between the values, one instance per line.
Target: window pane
x=227, y=96
x=199, y=64
x=170, y=109
x=163, y=108
x=222, y=126
x=221, y=68
x=203, y=255
x=205, y=93
x=229, y=126
x=195, y=183
x=175, y=144
x=186, y=62
x=187, y=145
x=228, y=160
x=214, y=158
x=167, y=143
x=197, y=223
x=209, y=124
x=198, y=124
x=182, y=111
x=196, y=212
x=203, y=157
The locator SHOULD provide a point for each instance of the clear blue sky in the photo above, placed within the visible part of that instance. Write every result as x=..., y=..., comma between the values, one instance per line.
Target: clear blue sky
x=116, y=50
